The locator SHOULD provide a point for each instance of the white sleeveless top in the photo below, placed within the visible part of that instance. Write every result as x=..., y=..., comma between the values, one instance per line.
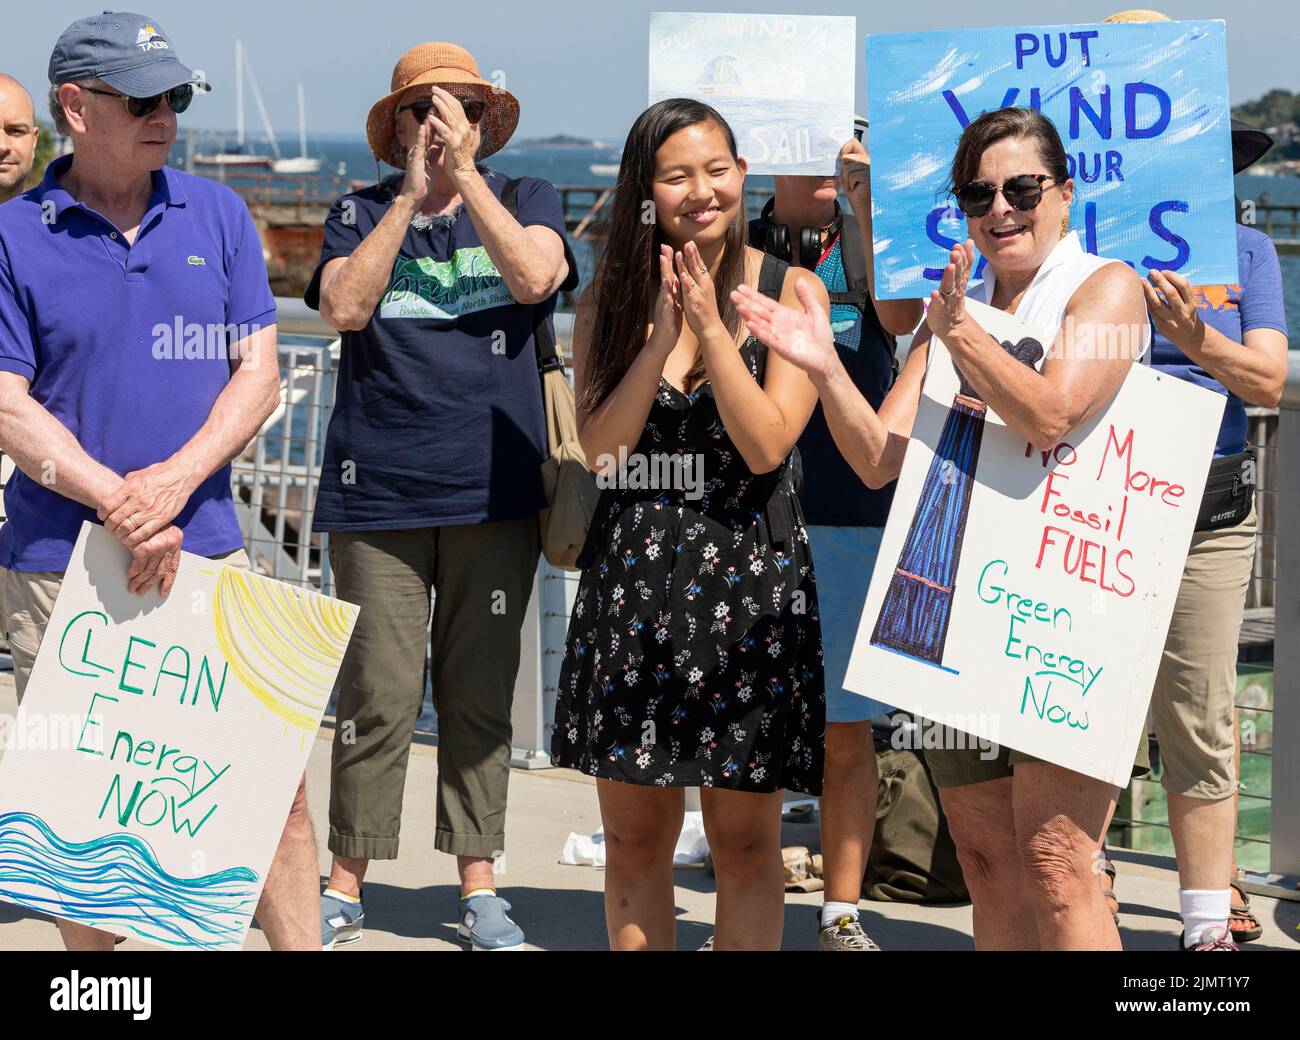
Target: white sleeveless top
x=1066, y=268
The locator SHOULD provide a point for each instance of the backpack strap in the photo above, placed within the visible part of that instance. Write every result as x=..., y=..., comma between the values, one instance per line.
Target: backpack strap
x=781, y=484
x=548, y=358
x=510, y=196
x=771, y=277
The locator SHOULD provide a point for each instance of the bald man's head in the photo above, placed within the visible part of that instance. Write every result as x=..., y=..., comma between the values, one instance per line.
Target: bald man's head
x=18, y=135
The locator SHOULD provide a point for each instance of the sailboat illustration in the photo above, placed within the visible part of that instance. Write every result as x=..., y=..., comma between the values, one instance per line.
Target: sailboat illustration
x=720, y=77
x=914, y=616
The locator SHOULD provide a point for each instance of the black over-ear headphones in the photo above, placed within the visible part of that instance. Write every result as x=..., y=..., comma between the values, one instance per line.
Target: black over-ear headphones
x=776, y=237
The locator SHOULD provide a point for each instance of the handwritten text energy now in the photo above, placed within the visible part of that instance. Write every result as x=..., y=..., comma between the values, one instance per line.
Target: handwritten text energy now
x=1079, y=542
x=177, y=787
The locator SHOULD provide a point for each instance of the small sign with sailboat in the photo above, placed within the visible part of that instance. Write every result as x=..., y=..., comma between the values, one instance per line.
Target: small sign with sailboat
x=784, y=83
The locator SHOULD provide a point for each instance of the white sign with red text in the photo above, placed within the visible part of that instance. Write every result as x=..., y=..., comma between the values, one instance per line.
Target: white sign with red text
x=1021, y=595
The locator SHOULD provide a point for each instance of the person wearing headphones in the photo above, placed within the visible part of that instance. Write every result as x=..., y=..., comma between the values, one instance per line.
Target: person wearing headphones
x=805, y=225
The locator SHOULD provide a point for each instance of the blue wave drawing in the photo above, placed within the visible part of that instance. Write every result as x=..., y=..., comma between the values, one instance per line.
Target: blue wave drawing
x=117, y=878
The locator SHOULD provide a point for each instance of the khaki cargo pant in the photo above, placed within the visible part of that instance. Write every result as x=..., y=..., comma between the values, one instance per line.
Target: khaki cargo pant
x=481, y=576
x=1193, y=705
x=26, y=602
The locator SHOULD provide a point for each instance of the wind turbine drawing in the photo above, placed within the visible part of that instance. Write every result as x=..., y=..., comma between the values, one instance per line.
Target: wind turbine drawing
x=917, y=608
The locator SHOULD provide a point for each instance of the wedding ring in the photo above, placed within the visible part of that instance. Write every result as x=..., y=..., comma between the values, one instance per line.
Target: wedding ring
x=948, y=292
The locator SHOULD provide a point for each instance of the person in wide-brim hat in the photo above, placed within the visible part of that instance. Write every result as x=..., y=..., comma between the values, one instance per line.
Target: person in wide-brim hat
x=1195, y=687
x=448, y=66
x=1248, y=143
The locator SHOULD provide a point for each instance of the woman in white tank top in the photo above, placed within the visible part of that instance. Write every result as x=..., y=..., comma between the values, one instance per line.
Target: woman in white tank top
x=1028, y=833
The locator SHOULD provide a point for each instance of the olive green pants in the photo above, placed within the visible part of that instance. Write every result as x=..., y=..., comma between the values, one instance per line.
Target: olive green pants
x=481, y=576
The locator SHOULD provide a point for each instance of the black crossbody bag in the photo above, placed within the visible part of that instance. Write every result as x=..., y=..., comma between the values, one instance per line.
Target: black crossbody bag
x=1228, y=496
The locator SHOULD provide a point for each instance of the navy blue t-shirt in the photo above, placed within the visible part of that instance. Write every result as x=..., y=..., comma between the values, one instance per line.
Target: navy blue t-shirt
x=1233, y=310
x=832, y=494
x=438, y=414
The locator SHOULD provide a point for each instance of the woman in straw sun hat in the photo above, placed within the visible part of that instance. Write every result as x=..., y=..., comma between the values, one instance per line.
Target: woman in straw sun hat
x=441, y=69
x=431, y=474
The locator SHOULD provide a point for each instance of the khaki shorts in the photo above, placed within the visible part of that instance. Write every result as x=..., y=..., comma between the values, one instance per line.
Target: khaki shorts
x=1193, y=703
x=1193, y=706
x=956, y=767
x=27, y=601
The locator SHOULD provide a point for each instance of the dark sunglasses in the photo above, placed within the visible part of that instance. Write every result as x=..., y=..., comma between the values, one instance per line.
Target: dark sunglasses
x=420, y=109
x=1023, y=192
x=178, y=98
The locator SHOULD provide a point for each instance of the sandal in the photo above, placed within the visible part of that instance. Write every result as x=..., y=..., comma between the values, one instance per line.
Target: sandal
x=1241, y=921
x=1108, y=868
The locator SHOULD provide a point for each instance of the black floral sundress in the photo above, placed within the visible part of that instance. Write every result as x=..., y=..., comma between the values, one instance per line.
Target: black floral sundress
x=694, y=653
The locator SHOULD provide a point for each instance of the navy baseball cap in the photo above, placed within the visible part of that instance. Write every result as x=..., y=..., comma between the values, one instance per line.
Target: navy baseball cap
x=127, y=51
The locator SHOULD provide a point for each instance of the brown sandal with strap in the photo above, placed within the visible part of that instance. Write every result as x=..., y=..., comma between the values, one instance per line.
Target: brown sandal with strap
x=1241, y=920
x=1108, y=868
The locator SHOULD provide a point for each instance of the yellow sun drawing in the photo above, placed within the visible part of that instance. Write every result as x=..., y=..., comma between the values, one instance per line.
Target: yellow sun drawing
x=284, y=644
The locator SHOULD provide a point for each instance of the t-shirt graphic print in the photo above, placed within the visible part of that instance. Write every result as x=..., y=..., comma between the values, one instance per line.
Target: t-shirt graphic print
x=422, y=287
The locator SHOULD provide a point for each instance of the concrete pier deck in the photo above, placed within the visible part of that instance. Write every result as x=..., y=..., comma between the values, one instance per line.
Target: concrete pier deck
x=411, y=901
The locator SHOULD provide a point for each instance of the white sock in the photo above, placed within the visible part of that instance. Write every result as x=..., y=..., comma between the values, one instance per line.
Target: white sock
x=341, y=896
x=1201, y=909
x=832, y=912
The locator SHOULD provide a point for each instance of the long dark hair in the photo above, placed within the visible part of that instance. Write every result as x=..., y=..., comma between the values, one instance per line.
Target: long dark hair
x=627, y=274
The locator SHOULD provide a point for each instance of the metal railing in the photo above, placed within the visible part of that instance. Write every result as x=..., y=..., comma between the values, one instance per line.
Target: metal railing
x=275, y=483
x=1281, y=222
x=1284, y=832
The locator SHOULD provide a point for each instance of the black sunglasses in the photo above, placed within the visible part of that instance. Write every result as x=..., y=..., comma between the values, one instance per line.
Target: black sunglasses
x=178, y=98
x=420, y=109
x=1023, y=192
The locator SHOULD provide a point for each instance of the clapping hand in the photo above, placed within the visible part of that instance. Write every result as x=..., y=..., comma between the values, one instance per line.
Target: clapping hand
x=457, y=134
x=855, y=175
x=695, y=289
x=1172, y=307
x=804, y=339
x=948, y=303
x=668, y=314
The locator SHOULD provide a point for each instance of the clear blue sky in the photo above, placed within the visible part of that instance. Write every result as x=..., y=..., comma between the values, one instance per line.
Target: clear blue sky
x=577, y=66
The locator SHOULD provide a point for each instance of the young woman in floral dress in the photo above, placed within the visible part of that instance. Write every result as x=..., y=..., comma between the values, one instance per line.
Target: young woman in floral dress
x=694, y=653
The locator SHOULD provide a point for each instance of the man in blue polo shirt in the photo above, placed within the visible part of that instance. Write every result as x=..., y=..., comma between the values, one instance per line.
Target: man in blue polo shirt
x=137, y=358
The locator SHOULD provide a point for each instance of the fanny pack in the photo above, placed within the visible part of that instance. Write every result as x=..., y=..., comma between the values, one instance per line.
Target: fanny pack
x=1228, y=497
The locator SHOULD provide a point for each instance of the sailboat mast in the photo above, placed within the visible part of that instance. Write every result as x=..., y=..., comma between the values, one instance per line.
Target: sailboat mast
x=302, y=123
x=247, y=66
x=239, y=93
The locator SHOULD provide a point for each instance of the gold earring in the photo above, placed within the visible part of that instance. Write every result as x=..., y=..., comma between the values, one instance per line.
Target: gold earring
x=1065, y=225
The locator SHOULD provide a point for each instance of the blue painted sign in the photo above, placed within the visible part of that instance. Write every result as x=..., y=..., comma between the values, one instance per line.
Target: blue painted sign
x=1142, y=110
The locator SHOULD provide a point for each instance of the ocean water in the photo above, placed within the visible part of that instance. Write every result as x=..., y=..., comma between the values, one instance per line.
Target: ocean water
x=571, y=166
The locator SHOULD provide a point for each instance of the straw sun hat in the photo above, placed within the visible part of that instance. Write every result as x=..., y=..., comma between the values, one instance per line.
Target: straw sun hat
x=1137, y=14
x=446, y=65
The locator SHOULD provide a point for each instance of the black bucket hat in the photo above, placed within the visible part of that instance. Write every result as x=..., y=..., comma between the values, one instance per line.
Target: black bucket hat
x=1249, y=144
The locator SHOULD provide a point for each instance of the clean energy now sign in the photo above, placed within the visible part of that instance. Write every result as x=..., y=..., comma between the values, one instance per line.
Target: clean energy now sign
x=1141, y=108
